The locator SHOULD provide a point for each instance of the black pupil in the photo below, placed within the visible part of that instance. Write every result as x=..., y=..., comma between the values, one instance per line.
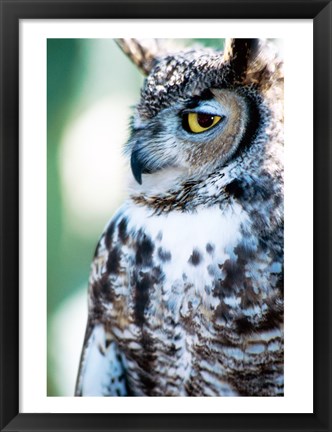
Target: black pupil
x=205, y=120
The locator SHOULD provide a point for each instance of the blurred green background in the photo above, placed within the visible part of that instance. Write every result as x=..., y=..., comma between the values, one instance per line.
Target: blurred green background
x=91, y=86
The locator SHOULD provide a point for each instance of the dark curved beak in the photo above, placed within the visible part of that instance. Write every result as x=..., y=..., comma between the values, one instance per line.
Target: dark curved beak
x=138, y=167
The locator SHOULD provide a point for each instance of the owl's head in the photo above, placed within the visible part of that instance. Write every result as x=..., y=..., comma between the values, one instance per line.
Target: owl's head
x=202, y=110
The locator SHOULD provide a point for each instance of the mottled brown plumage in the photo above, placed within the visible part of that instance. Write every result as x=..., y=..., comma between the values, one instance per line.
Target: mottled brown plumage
x=186, y=286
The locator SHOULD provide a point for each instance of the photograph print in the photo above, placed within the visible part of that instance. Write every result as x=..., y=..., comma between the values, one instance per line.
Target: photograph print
x=181, y=274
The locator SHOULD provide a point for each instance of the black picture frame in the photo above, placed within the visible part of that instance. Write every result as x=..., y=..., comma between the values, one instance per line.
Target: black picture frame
x=14, y=10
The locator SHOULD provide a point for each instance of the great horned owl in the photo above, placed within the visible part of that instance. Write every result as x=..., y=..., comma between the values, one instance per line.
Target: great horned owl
x=186, y=287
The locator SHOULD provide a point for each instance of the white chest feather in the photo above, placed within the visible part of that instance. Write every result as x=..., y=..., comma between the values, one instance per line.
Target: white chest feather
x=192, y=240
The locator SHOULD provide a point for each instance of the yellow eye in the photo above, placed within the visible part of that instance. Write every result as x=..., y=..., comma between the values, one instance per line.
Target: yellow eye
x=200, y=122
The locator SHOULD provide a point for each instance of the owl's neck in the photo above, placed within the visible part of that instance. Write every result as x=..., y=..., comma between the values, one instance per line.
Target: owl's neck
x=178, y=189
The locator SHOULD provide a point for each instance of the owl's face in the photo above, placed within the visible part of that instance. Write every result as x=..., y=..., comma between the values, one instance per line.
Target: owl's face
x=196, y=114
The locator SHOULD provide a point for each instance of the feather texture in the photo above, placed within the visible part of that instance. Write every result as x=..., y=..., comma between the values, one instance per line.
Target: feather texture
x=186, y=286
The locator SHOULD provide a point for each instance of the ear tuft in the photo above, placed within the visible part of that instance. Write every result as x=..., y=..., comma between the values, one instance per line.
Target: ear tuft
x=143, y=53
x=239, y=53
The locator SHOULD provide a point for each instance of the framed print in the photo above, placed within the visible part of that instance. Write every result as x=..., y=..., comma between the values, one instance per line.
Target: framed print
x=176, y=287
